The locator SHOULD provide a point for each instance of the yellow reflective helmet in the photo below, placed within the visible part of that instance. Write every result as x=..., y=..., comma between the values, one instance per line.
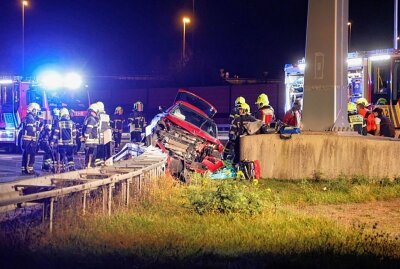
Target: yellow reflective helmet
x=381, y=102
x=239, y=100
x=64, y=112
x=100, y=106
x=33, y=107
x=245, y=107
x=362, y=101
x=118, y=109
x=262, y=100
x=351, y=107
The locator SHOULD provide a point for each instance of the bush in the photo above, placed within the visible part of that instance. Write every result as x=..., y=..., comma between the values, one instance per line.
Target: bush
x=227, y=197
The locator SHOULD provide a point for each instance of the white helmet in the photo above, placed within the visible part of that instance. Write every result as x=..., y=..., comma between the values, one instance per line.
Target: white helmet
x=56, y=112
x=33, y=107
x=100, y=107
x=64, y=112
x=93, y=107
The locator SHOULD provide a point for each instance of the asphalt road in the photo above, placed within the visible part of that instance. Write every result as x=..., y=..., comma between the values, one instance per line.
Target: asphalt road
x=10, y=166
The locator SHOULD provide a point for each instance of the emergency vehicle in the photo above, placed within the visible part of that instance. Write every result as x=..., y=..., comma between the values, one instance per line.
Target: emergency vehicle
x=374, y=75
x=15, y=95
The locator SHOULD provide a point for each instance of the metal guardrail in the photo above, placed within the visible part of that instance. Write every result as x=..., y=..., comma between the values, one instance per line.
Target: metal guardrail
x=46, y=189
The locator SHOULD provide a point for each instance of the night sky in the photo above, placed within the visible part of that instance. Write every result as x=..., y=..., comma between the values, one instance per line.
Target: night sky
x=132, y=37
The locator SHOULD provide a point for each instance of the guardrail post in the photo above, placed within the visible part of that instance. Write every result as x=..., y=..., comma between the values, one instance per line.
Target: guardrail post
x=51, y=213
x=84, y=202
x=109, y=199
x=104, y=198
x=123, y=191
x=128, y=183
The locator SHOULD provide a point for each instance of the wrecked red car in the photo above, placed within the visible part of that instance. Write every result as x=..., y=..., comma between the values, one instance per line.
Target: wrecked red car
x=188, y=134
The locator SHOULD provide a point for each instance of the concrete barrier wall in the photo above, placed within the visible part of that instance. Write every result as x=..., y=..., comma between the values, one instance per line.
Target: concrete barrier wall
x=328, y=154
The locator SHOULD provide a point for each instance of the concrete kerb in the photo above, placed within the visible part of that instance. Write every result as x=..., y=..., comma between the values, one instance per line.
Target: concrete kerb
x=330, y=154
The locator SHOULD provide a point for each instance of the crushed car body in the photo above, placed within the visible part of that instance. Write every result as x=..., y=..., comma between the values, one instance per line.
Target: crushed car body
x=187, y=132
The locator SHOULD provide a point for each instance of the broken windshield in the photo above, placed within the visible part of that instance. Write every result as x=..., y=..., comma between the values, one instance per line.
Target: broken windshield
x=184, y=113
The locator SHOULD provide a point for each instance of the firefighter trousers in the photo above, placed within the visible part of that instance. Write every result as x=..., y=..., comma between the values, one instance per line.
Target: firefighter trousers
x=117, y=138
x=67, y=157
x=48, y=157
x=28, y=156
x=90, y=155
x=136, y=136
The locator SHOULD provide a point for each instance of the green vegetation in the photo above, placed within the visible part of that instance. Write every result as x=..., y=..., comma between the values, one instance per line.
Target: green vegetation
x=217, y=224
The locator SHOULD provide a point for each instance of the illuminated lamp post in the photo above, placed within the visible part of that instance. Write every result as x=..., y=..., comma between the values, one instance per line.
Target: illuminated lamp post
x=24, y=4
x=349, y=25
x=185, y=21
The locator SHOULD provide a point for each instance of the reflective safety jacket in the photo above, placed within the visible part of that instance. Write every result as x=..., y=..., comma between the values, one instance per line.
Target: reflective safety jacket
x=238, y=126
x=30, y=128
x=369, y=118
x=266, y=114
x=357, y=122
x=90, y=130
x=117, y=123
x=234, y=114
x=65, y=132
x=137, y=121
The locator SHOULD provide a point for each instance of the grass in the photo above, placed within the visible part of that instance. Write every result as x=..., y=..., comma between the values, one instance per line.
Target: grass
x=165, y=230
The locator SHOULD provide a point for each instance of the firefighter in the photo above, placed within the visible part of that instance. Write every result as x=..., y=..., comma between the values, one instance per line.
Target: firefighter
x=46, y=144
x=105, y=136
x=117, y=125
x=66, y=140
x=235, y=111
x=30, y=131
x=137, y=122
x=265, y=111
x=385, y=126
x=56, y=116
x=237, y=129
x=369, y=117
x=91, y=135
x=293, y=116
x=356, y=121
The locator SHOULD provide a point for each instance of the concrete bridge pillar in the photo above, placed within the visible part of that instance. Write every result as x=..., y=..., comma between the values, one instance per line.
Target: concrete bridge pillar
x=325, y=77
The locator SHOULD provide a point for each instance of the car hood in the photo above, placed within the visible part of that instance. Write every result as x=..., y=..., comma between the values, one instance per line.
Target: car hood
x=196, y=101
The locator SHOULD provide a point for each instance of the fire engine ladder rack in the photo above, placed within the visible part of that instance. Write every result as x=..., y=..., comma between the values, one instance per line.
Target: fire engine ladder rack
x=49, y=189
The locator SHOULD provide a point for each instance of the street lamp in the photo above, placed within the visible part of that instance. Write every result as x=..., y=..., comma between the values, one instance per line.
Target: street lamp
x=24, y=4
x=349, y=25
x=185, y=21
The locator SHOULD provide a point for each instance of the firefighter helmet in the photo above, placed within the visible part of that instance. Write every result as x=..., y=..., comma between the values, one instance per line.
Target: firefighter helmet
x=262, y=100
x=362, y=101
x=64, y=112
x=245, y=107
x=118, y=110
x=239, y=100
x=33, y=107
x=56, y=112
x=381, y=102
x=138, y=106
x=100, y=107
x=351, y=107
x=93, y=107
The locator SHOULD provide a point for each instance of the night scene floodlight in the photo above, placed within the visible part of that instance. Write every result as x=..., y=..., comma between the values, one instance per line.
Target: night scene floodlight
x=380, y=57
x=73, y=81
x=354, y=62
x=6, y=81
x=186, y=20
x=50, y=80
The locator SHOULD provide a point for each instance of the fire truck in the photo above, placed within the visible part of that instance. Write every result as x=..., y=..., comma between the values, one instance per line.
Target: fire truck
x=374, y=75
x=15, y=95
